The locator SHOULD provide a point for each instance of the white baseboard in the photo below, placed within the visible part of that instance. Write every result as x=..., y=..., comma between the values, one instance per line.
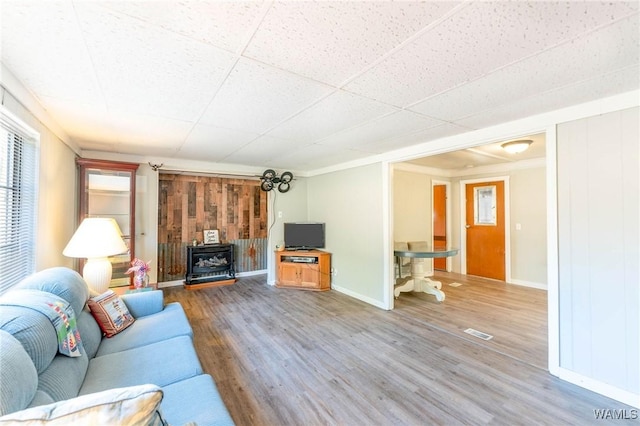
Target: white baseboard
x=358, y=296
x=602, y=388
x=531, y=284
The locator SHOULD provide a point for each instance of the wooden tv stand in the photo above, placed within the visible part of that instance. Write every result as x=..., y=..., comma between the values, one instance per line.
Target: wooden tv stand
x=303, y=269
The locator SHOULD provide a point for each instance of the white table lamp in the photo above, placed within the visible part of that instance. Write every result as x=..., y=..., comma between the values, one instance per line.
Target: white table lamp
x=96, y=238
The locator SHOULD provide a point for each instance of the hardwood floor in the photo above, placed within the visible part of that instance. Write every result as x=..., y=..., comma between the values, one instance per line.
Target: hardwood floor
x=515, y=316
x=292, y=357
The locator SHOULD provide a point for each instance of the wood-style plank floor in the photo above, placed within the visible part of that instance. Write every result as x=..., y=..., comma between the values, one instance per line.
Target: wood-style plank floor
x=293, y=357
x=515, y=316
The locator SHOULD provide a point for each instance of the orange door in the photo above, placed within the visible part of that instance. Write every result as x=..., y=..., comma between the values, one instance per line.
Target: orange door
x=440, y=224
x=485, y=229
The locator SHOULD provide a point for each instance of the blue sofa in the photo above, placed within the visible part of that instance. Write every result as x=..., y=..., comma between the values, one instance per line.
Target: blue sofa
x=150, y=367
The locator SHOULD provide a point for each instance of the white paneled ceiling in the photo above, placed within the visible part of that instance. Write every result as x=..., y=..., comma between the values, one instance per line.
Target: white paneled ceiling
x=306, y=85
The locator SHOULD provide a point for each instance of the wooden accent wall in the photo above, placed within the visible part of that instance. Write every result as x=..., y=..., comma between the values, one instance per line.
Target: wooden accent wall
x=187, y=205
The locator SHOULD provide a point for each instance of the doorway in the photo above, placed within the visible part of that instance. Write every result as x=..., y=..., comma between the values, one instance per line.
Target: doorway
x=524, y=197
x=440, y=191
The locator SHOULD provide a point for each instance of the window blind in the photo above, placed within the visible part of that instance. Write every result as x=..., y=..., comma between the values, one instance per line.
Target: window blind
x=18, y=200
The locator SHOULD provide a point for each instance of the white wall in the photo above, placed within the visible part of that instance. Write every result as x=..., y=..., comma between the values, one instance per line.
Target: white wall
x=529, y=210
x=147, y=218
x=350, y=203
x=292, y=206
x=412, y=211
x=598, y=232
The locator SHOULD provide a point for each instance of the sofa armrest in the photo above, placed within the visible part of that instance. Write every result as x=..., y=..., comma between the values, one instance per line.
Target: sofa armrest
x=143, y=304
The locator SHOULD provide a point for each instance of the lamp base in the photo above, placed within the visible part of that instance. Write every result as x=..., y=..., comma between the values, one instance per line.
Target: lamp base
x=97, y=273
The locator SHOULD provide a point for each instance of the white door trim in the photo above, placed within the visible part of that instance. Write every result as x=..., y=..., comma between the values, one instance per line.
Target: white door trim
x=553, y=307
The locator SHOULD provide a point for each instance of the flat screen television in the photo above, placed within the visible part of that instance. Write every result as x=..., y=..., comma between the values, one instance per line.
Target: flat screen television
x=303, y=235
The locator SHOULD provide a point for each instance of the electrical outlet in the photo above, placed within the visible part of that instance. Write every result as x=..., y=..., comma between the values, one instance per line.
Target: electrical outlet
x=334, y=272
x=279, y=215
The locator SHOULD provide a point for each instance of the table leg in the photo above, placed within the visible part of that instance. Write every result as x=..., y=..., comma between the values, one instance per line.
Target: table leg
x=403, y=285
x=419, y=282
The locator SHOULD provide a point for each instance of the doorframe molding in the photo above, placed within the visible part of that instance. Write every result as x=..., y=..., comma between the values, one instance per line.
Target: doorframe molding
x=507, y=223
x=448, y=216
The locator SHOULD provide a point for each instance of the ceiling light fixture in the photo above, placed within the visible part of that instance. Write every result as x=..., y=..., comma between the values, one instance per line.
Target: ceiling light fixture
x=516, y=147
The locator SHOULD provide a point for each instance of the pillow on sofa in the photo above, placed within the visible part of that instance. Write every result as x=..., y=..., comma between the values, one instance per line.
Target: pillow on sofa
x=139, y=405
x=110, y=312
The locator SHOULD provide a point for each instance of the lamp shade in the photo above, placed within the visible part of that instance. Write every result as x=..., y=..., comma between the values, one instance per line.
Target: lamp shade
x=96, y=237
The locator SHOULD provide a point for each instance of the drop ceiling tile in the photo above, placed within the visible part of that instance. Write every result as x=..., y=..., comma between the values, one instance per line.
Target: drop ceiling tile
x=611, y=47
x=422, y=136
x=145, y=134
x=78, y=119
x=584, y=91
x=455, y=160
x=337, y=112
x=263, y=150
x=255, y=97
x=368, y=136
x=144, y=68
x=317, y=156
x=480, y=38
x=60, y=66
x=122, y=130
x=331, y=41
x=214, y=143
x=222, y=24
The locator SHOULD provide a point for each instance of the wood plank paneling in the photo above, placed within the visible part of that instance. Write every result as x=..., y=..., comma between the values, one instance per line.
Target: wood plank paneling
x=188, y=205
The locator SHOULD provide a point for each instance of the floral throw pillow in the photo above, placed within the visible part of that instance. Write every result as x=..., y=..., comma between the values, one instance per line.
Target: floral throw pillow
x=110, y=312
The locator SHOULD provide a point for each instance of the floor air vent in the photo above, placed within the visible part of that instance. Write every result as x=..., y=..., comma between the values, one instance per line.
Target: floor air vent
x=479, y=334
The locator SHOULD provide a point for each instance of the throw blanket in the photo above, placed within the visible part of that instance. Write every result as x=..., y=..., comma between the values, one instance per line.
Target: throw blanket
x=57, y=310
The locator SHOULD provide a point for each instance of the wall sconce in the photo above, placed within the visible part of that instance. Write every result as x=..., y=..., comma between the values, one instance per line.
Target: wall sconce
x=96, y=238
x=270, y=179
x=516, y=147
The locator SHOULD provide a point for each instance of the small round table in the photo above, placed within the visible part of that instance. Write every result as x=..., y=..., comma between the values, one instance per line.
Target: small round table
x=418, y=281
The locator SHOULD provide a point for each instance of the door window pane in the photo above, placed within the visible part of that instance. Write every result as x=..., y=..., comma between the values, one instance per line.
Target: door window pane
x=484, y=205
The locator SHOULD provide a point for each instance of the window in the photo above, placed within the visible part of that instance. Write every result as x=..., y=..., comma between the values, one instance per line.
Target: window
x=484, y=205
x=18, y=202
